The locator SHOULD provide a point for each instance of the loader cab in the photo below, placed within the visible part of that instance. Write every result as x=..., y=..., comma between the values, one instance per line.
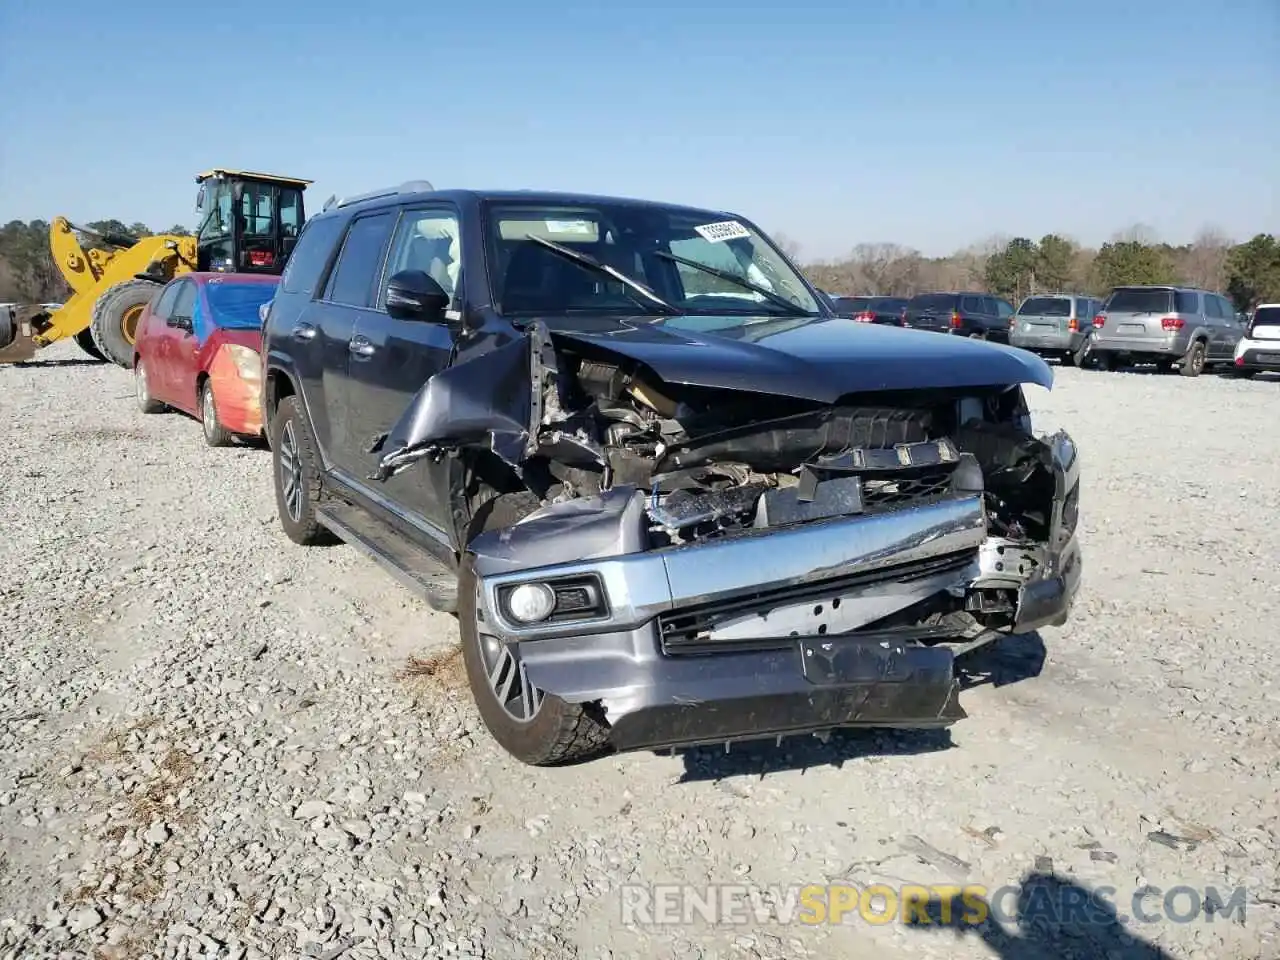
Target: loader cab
x=249, y=222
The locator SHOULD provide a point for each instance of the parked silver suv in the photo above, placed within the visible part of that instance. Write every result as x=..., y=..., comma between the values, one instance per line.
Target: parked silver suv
x=1169, y=326
x=1054, y=325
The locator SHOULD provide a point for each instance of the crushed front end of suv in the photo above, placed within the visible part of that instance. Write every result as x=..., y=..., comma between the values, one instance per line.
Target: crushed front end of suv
x=678, y=501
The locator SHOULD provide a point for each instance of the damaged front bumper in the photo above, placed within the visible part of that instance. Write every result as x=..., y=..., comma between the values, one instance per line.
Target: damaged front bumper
x=771, y=631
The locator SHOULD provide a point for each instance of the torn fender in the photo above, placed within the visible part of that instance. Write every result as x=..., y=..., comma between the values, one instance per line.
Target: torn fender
x=494, y=401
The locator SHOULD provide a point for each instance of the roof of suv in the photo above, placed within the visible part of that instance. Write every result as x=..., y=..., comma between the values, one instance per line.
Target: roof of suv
x=394, y=195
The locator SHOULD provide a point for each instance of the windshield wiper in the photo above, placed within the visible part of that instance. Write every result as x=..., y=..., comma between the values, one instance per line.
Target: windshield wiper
x=637, y=289
x=793, y=308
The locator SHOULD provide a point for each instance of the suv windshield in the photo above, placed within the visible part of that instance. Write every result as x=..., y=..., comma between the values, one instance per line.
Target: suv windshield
x=1045, y=307
x=1140, y=300
x=696, y=262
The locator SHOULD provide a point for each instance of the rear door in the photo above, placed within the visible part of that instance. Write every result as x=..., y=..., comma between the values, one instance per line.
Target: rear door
x=181, y=361
x=1044, y=318
x=931, y=311
x=349, y=295
x=1264, y=329
x=154, y=340
x=294, y=329
x=1133, y=316
x=394, y=357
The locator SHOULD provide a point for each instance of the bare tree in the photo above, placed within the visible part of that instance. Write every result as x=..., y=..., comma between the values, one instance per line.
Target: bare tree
x=1204, y=264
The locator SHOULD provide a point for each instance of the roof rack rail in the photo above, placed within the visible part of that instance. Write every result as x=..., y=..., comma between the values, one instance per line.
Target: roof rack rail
x=409, y=186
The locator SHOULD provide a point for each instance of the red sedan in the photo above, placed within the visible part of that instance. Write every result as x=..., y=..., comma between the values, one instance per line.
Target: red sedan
x=197, y=350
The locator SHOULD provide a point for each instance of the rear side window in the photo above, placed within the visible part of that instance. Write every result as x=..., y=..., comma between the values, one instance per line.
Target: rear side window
x=1140, y=300
x=1046, y=307
x=360, y=262
x=307, y=262
x=1186, y=301
x=1213, y=309
x=972, y=305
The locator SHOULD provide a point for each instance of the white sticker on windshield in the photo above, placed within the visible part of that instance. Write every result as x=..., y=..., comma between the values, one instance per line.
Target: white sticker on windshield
x=580, y=227
x=728, y=230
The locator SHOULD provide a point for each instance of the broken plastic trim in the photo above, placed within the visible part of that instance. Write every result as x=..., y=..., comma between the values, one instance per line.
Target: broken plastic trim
x=495, y=401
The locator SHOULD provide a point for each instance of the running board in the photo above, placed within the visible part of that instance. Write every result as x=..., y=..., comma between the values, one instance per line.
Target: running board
x=414, y=567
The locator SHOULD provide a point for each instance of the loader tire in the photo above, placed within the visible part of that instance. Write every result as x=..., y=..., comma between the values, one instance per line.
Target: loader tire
x=115, y=319
x=85, y=340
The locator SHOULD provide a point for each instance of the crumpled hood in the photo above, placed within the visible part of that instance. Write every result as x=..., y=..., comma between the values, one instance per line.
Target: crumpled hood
x=810, y=358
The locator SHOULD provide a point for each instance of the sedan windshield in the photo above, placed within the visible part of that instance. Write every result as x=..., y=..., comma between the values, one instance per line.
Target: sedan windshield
x=672, y=259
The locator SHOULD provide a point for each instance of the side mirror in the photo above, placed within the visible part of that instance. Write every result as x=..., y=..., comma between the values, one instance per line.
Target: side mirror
x=414, y=295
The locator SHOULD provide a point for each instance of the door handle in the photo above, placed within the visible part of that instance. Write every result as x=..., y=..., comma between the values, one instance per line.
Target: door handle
x=360, y=347
x=304, y=331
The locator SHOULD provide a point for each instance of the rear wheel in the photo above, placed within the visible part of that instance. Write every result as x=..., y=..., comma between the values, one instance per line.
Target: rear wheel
x=535, y=727
x=114, y=327
x=215, y=434
x=1193, y=362
x=142, y=389
x=84, y=339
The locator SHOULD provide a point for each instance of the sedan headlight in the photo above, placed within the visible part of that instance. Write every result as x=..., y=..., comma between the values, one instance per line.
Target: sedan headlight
x=247, y=361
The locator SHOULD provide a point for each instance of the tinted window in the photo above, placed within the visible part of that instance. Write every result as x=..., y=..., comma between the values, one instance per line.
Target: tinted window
x=1265, y=317
x=1212, y=308
x=1046, y=307
x=1228, y=312
x=889, y=305
x=164, y=302
x=309, y=257
x=1004, y=308
x=360, y=262
x=971, y=304
x=185, y=303
x=1186, y=301
x=1140, y=300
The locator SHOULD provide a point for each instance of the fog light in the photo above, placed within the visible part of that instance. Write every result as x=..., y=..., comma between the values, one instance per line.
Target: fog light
x=531, y=602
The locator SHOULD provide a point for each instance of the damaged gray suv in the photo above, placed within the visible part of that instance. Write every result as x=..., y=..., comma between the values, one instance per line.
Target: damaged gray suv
x=671, y=499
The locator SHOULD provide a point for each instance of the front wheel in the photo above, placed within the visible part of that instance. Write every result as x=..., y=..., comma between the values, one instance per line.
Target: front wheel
x=535, y=727
x=116, y=313
x=215, y=434
x=296, y=471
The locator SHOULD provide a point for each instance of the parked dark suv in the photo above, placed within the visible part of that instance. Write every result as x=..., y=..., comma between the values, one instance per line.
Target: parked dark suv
x=887, y=310
x=670, y=497
x=977, y=315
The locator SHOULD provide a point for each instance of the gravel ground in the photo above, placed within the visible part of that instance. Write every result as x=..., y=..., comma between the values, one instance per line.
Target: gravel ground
x=214, y=743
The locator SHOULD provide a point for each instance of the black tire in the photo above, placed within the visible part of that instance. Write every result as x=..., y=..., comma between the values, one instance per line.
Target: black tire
x=293, y=446
x=1080, y=358
x=142, y=390
x=1193, y=362
x=85, y=341
x=215, y=434
x=559, y=733
x=115, y=319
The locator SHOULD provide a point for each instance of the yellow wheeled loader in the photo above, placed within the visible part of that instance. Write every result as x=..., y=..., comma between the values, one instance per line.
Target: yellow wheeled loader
x=249, y=223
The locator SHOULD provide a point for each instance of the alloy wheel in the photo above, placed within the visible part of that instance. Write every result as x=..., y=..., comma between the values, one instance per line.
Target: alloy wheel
x=291, y=472
x=507, y=675
x=209, y=413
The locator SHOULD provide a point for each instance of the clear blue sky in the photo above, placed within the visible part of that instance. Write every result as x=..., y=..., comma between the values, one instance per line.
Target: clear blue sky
x=927, y=124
